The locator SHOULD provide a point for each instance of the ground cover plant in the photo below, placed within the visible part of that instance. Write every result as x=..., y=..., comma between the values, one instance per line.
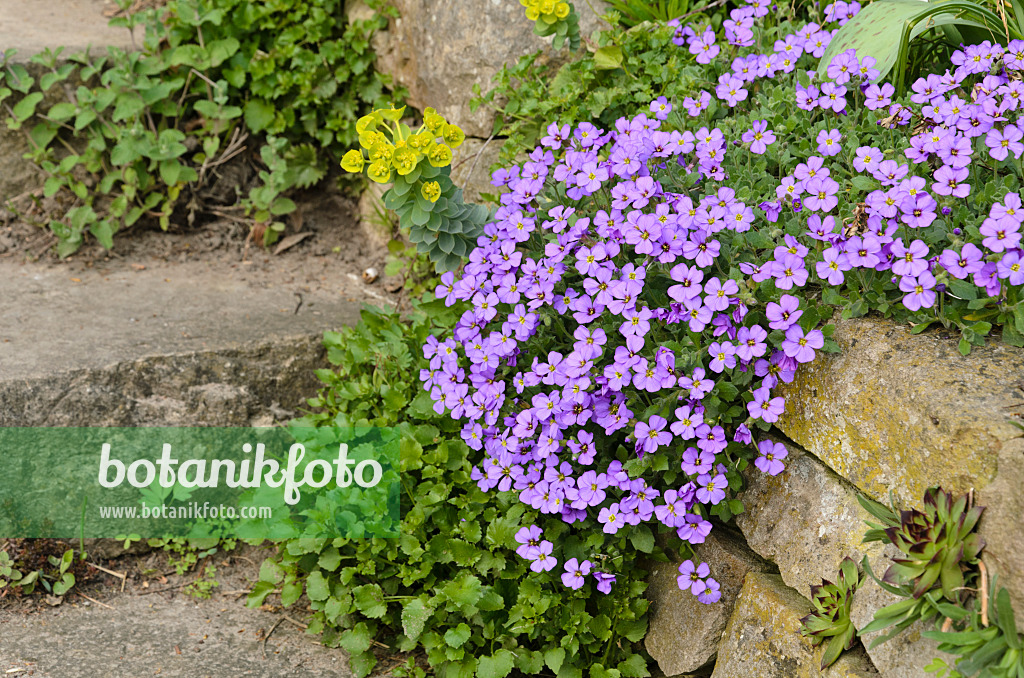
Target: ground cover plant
x=145, y=133
x=451, y=591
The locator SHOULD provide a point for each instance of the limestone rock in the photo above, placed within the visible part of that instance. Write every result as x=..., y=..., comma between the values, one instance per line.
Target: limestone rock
x=471, y=169
x=684, y=633
x=805, y=520
x=439, y=50
x=763, y=640
x=895, y=411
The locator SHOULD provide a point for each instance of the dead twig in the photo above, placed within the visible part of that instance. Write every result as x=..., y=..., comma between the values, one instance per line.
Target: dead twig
x=166, y=588
x=984, y=592
x=93, y=600
x=267, y=637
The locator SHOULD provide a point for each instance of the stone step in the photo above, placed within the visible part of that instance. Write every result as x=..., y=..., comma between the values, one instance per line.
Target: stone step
x=183, y=344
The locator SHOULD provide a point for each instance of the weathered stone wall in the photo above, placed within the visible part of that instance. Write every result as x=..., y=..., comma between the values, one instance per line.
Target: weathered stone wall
x=891, y=412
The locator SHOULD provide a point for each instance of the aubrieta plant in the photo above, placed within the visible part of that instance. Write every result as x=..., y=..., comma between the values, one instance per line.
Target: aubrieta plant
x=554, y=17
x=642, y=291
x=427, y=203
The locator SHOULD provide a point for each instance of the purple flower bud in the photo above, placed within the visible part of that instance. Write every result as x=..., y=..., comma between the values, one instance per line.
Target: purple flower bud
x=957, y=231
x=797, y=205
x=946, y=211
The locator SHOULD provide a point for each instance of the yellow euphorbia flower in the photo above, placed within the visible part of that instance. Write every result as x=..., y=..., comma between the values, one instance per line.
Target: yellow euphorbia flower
x=439, y=155
x=382, y=151
x=368, y=123
x=370, y=138
x=431, y=191
x=453, y=135
x=420, y=140
x=404, y=160
x=432, y=121
x=562, y=10
x=379, y=172
x=353, y=161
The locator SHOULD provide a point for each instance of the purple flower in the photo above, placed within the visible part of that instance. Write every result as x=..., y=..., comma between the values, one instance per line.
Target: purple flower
x=833, y=97
x=1003, y=142
x=711, y=490
x=763, y=406
x=650, y=436
x=878, y=96
x=661, y=108
x=691, y=577
x=822, y=192
x=828, y=143
x=759, y=137
x=712, y=592
x=575, y=571
x=604, y=581
x=800, y=346
x=543, y=560
x=769, y=457
x=783, y=314
x=920, y=291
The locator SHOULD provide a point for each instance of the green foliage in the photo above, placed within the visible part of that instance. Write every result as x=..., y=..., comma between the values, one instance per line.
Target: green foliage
x=830, y=620
x=633, y=12
x=428, y=205
x=55, y=580
x=886, y=30
x=984, y=649
x=452, y=585
x=446, y=229
x=131, y=134
x=628, y=70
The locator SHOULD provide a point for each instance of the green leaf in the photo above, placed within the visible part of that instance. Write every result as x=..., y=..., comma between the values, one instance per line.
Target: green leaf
x=317, y=587
x=369, y=600
x=259, y=115
x=642, y=538
x=61, y=111
x=863, y=183
x=414, y=617
x=222, y=50
x=607, y=58
x=24, y=109
x=190, y=55
x=104, y=233
x=357, y=640
x=457, y=636
x=554, y=658
x=634, y=667
x=498, y=665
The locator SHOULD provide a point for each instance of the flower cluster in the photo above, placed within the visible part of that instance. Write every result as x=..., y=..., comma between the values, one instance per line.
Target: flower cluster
x=638, y=298
x=400, y=149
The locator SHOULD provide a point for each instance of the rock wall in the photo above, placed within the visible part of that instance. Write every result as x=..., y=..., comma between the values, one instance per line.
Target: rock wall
x=891, y=412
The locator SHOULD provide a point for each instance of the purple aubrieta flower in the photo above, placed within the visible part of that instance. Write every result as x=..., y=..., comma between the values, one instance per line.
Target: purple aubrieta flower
x=801, y=346
x=574, y=574
x=759, y=137
x=604, y=581
x=691, y=577
x=828, y=142
x=769, y=457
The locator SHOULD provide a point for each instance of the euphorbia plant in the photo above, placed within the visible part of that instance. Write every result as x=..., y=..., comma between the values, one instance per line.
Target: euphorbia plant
x=428, y=204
